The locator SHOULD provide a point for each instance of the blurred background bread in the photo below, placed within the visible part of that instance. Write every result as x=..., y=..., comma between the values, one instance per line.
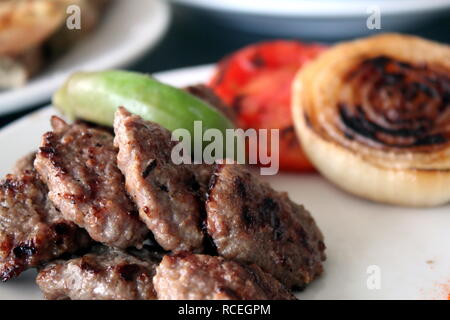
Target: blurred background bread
x=33, y=32
x=27, y=23
x=64, y=39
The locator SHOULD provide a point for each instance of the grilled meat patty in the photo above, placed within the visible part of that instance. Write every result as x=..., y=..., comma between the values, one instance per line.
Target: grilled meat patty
x=25, y=165
x=200, y=277
x=78, y=163
x=104, y=274
x=166, y=194
x=250, y=222
x=32, y=231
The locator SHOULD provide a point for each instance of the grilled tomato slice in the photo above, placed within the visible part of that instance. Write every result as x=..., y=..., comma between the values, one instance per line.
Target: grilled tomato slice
x=256, y=82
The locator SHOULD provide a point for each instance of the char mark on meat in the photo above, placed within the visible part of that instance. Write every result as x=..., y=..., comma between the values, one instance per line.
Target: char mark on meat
x=104, y=274
x=188, y=276
x=32, y=231
x=78, y=163
x=167, y=194
x=250, y=222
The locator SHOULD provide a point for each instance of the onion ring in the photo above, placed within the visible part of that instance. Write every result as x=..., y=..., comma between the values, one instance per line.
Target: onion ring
x=373, y=116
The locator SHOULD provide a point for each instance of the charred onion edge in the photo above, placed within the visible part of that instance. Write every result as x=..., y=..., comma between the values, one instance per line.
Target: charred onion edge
x=411, y=186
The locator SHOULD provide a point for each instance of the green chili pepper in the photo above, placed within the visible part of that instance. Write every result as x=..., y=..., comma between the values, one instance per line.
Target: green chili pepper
x=95, y=96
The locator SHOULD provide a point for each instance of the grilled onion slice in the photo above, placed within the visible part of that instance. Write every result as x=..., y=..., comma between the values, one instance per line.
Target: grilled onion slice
x=373, y=115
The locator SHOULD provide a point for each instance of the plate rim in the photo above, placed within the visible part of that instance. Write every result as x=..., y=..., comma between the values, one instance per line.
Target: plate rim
x=35, y=93
x=317, y=8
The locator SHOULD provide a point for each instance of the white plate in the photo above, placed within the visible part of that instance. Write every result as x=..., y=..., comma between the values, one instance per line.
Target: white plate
x=324, y=19
x=411, y=247
x=318, y=8
x=129, y=29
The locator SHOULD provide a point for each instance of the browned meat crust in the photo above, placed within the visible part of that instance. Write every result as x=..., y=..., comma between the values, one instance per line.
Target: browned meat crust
x=165, y=193
x=25, y=165
x=78, y=163
x=203, y=173
x=105, y=274
x=252, y=223
x=207, y=94
x=32, y=231
x=201, y=277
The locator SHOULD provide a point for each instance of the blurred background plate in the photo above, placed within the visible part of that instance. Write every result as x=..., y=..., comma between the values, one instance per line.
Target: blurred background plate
x=129, y=29
x=319, y=19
